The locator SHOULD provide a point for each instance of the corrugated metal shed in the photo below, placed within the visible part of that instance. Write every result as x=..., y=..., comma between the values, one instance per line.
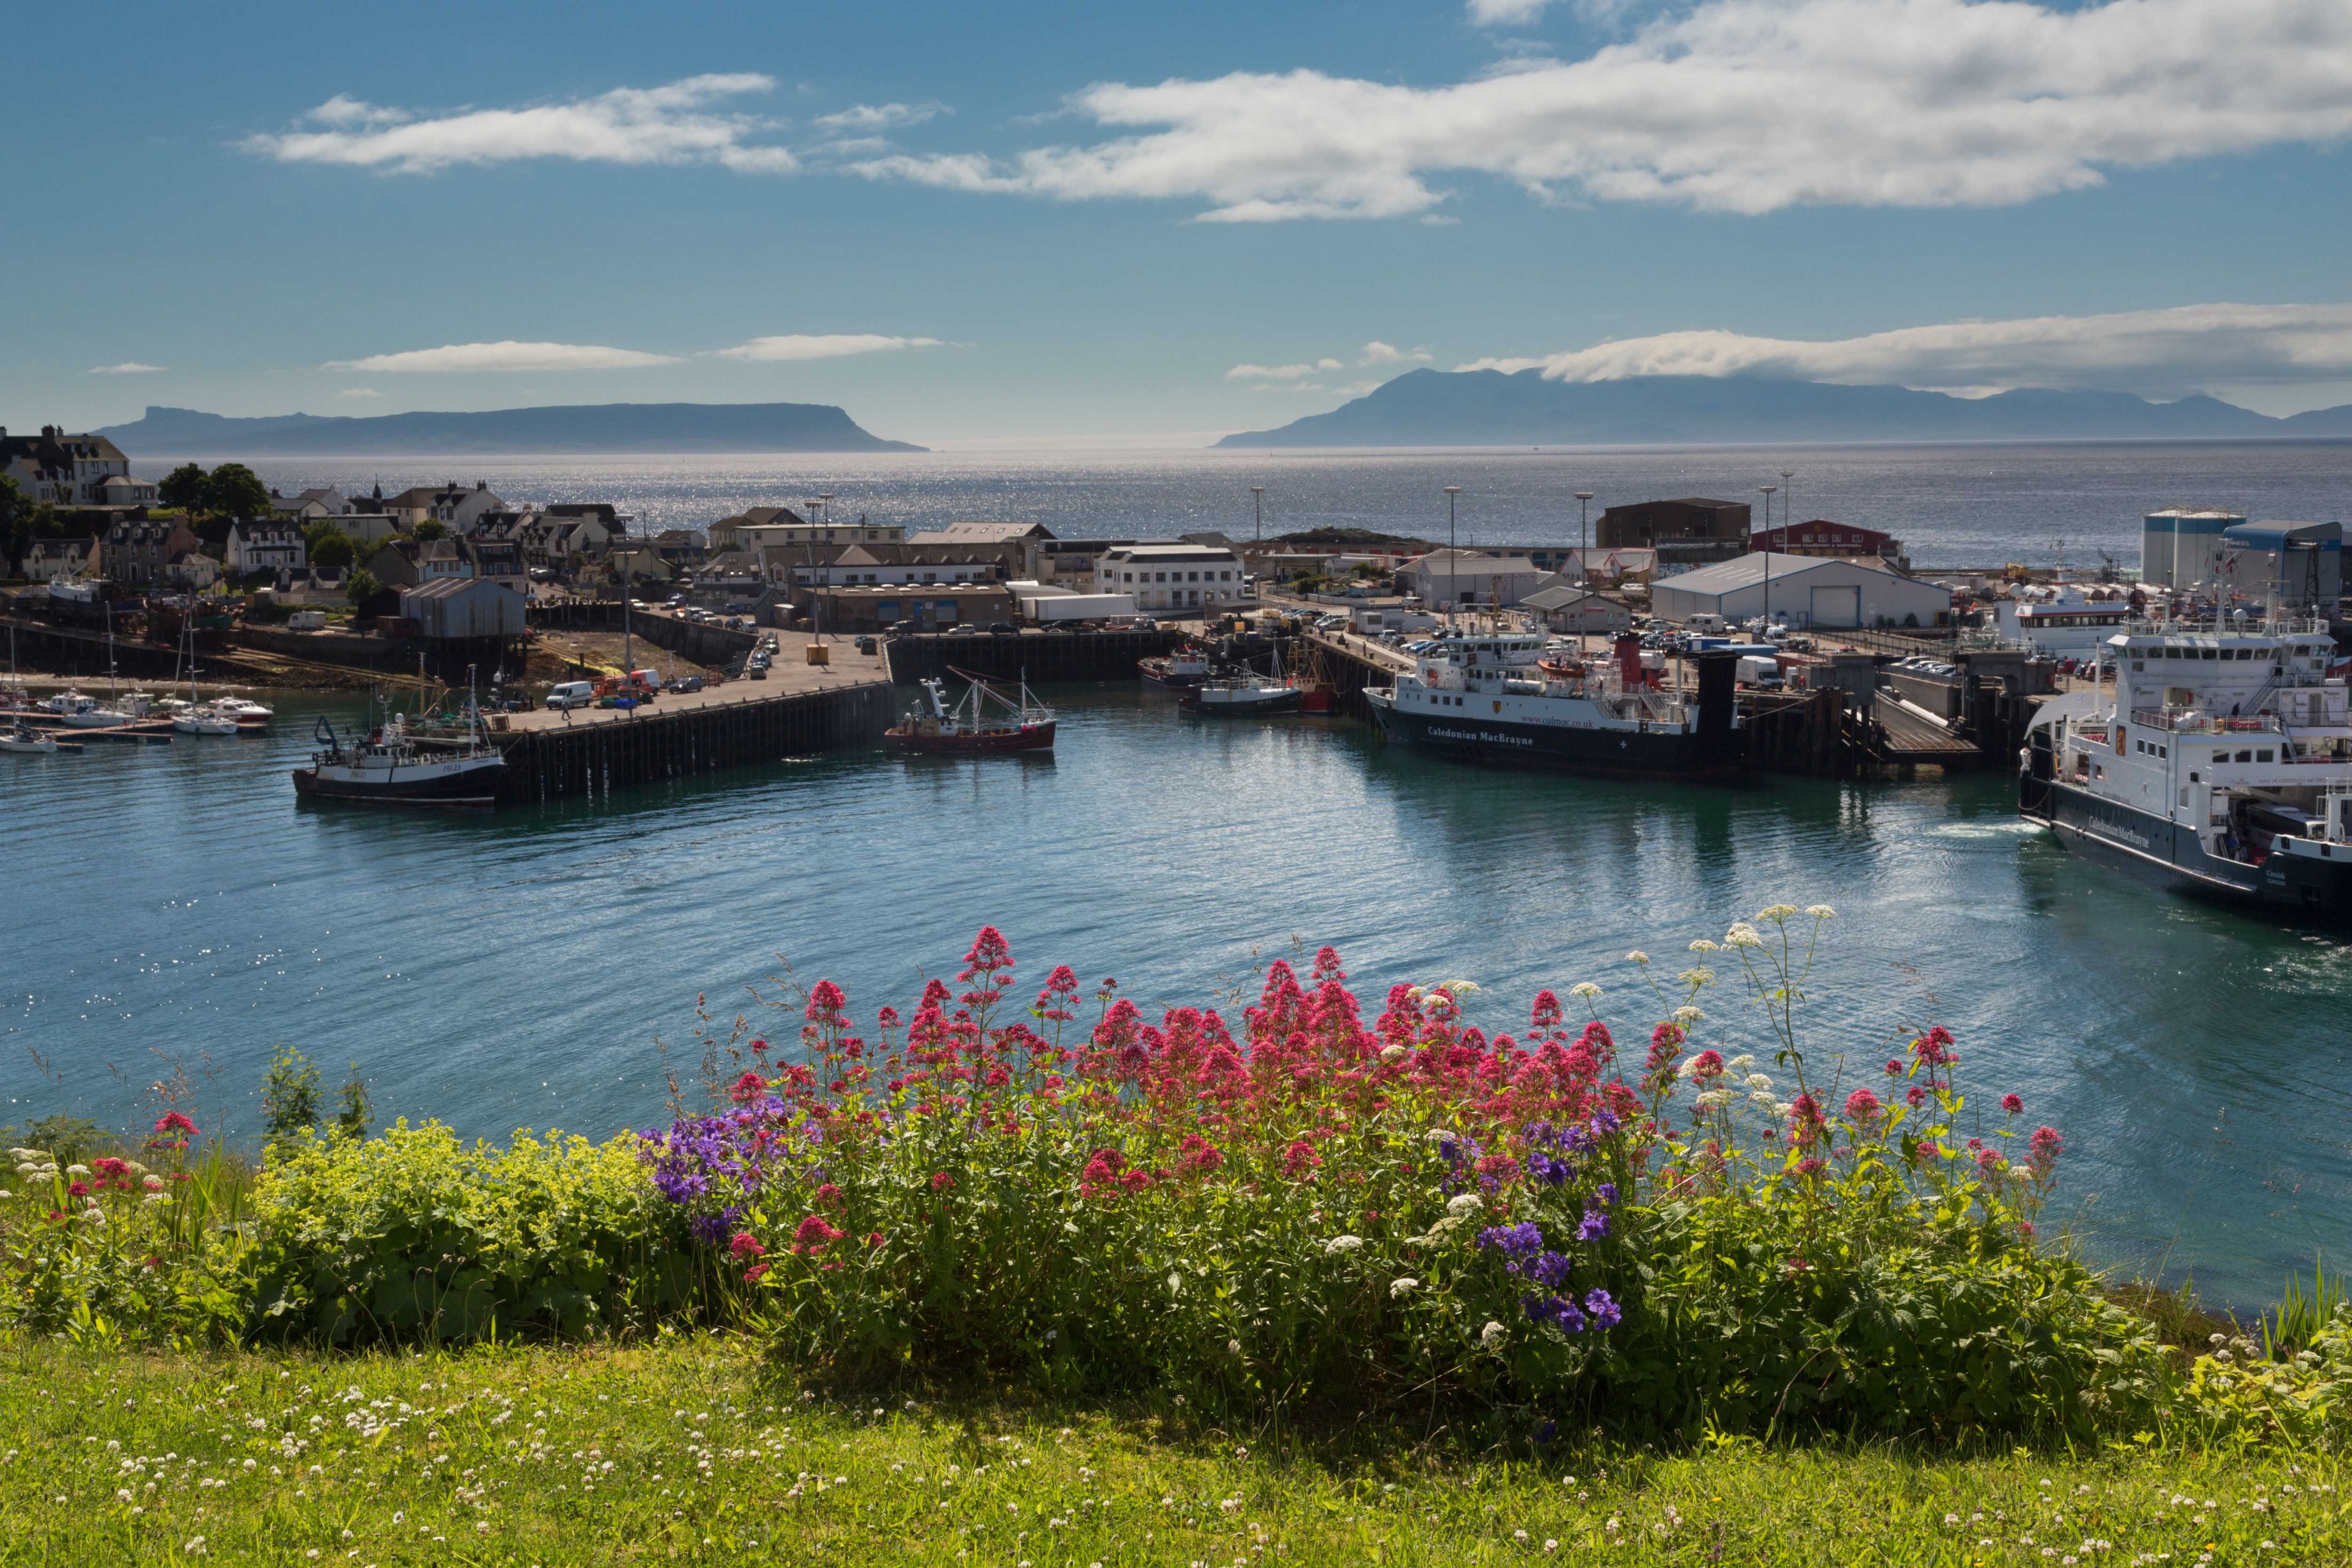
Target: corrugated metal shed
x=458, y=607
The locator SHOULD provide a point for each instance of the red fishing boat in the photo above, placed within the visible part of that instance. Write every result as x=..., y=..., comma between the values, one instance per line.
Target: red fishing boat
x=982, y=721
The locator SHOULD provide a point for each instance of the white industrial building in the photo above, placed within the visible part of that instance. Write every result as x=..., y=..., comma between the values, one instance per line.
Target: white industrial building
x=1802, y=591
x=2181, y=548
x=1170, y=576
x=1566, y=608
x=1447, y=579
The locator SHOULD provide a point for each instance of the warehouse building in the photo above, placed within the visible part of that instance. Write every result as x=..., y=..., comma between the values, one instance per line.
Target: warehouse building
x=1802, y=591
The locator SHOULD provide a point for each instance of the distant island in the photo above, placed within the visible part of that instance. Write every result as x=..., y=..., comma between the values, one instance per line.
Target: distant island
x=646, y=428
x=1491, y=408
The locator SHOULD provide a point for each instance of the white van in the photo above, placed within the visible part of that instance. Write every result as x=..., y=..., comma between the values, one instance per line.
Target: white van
x=1704, y=624
x=572, y=694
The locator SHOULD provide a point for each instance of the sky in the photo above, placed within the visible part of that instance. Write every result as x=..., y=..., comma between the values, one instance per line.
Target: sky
x=1076, y=225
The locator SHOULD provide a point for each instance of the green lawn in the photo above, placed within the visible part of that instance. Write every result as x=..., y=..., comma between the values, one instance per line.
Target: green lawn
x=689, y=1450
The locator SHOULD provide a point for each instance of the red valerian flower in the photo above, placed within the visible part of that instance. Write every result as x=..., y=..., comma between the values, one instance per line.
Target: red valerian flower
x=813, y=1235
x=826, y=1001
x=1706, y=1064
x=1917, y=1094
x=754, y=1271
x=827, y=1195
x=1546, y=1014
x=172, y=1122
x=79, y=1190
x=1934, y=1046
x=1299, y=1158
x=108, y=1166
x=745, y=1245
x=2012, y=1104
x=1862, y=1108
x=746, y=1089
x=874, y=1238
x=2046, y=1149
x=1893, y=1070
x=941, y=1179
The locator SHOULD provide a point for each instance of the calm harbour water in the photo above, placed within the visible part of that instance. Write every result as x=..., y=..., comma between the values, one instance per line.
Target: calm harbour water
x=1964, y=506
x=515, y=969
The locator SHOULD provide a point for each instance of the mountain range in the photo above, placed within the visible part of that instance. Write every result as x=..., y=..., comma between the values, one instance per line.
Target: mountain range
x=652, y=427
x=1492, y=408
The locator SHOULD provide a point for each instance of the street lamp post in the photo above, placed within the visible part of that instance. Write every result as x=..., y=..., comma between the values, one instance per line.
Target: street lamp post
x=1584, y=500
x=1768, y=490
x=1453, y=560
x=1257, y=503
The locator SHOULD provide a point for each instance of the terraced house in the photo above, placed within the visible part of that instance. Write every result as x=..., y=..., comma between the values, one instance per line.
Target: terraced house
x=72, y=470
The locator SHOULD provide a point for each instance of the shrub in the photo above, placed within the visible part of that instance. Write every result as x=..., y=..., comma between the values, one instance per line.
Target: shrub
x=1312, y=1211
x=413, y=1234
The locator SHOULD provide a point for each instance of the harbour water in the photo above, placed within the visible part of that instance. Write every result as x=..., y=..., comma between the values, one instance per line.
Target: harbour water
x=1951, y=505
x=514, y=969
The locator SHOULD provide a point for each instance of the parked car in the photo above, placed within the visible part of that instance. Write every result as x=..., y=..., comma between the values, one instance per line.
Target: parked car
x=1001, y=628
x=572, y=694
x=1146, y=624
x=687, y=683
x=865, y=645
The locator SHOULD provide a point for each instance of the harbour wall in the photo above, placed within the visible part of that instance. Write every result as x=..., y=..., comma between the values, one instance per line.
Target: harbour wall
x=553, y=762
x=1037, y=656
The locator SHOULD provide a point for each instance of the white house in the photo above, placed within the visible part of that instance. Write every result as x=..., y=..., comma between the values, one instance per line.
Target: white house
x=1802, y=591
x=72, y=470
x=451, y=503
x=1445, y=578
x=266, y=547
x=53, y=560
x=1170, y=576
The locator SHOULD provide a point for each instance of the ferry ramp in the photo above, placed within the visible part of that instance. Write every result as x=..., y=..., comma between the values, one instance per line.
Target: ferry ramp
x=1905, y=736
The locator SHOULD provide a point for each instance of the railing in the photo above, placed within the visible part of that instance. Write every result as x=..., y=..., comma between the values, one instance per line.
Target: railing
x=2202, y=723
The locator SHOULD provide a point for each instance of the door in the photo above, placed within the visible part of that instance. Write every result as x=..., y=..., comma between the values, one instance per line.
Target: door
x=1837, y=606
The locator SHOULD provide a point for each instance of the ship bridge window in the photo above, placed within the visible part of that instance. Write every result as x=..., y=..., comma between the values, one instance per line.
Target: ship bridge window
x=2210, y=653
x=2245, y=757
x=2265, y=756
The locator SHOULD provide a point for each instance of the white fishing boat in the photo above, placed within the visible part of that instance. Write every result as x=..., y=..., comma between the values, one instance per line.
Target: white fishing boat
x=394, y=766
x=1245, y=695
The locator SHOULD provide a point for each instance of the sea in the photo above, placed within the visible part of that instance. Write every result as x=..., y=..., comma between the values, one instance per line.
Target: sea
x=178, y=914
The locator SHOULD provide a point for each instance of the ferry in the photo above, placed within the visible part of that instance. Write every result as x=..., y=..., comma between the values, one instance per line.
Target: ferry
x=1495, y=698
x=2219, y=764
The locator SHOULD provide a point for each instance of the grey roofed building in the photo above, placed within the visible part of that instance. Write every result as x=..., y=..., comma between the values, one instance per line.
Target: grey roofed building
x=1827, y=593
x=466, y=607
x=980, y=533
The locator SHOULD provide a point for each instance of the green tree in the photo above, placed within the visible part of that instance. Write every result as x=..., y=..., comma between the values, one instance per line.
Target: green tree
x=357, y=1111
x=431, y=528
x=16, y=526
x=333, y=552
x=317, y=528
x=235, y=491
x=361, y=587
x=184, y=488
x=290, y=1096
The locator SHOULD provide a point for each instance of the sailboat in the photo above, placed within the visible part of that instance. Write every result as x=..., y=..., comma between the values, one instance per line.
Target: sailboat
x=19, y=735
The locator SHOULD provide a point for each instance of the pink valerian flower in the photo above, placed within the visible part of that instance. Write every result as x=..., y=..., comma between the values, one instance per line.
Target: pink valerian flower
x=2047, y=1146
x=754, y=1272
x=826, y=1001
x=1707, y=1065
x=1862, y=1108
x=1665, y=1045
x=1934, y=1048
x=1916, y=1094
x=1805, y=1118
x=1299, y=1158
x=172, y=1121
x=745, y=1245
x=941, y=1180
x=874, y=1238
x=1813, y=1167
x=1198, y=1156
x=746, y=1089
x=2012, y=1105
x=78, y=1189
x=827, y=1195
x=1546, y=1012
x=1893, y=1070
x=813, y=1236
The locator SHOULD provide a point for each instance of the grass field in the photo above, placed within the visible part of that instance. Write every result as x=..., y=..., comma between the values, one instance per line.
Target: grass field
x=689, y=1450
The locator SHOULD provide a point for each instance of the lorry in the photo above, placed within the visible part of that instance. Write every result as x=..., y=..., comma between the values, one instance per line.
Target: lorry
x=1049, y=609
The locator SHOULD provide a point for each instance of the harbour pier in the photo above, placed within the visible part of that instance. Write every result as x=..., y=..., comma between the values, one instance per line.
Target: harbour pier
x=800, y=708
x=1039, y=656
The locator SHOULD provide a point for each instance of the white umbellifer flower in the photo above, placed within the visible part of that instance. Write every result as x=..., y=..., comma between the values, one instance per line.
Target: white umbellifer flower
x=1393, y=1053
x=1758, y=1080
x=153, y=1183
x=1339, y=1243
x=1465, y=1203
x=77, y=1170
x=1697, y=977
x=1742, y=1060
x=1402, y=1286
x=1763, y=1097
x=1820, y=912
x=1710, y=1099
x=1493, y=1334
x=1637, y=956
x=1781, y=1107
x=1686, y=1015
x=1777, y=912
x=1457, y=989
x=1584, y=988
x=1439, y=1134
x=1702, y=945
x=1742, y=934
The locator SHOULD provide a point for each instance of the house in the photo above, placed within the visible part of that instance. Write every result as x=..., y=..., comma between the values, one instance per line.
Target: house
x=637, y=564
x=310, y=506
x=731, y=576
x=438, y=559
x=880, y=564
x=55, y=559
x=1064, y=562
x=1823, y=537
x=1566, y=607
x=1451, y=578
x=762, y=526
x=66, y=471
x=585, y=529
x=451, y=503
x=1825, y=593
x=1687, y=532
x=682, y=548
x=500, y=561
x=140, y=555
x=464, y=609
x=1011, y=542
x=412, y=563
x=266, y=547
x=191, y=570
x=1172, y=577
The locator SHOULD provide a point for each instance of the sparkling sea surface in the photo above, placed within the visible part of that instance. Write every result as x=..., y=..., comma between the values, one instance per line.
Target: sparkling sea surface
x=515, y=969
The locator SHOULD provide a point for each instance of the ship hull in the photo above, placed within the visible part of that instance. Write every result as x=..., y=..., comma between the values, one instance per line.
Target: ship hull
x=2165, y=854
x=987, y=743
x=1222, y=705
x=1605, y=752
x=475, y=784
x=1155, y=672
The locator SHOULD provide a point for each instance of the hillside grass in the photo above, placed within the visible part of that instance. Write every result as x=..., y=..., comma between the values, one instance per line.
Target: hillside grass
x=694, y=1449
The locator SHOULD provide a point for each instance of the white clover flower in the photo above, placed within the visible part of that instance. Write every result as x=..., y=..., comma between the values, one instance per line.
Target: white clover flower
x=1758, y=1080
x=1702, y=945
x=1742, y=934
x=1820, y=912
x=1686, y=1015
x=1393, y=1053
x=1777, y=912
x=1339, y=1243
x=1584, y=988
x=1402, y=1286
x=1637, y=956
x=1465, y=1203
x=1493, y=1334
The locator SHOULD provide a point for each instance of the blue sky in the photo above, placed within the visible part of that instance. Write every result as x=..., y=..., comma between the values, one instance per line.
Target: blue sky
x=1053, y=224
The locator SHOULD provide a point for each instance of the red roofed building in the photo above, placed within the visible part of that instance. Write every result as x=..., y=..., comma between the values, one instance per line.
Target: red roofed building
x=1823, y=537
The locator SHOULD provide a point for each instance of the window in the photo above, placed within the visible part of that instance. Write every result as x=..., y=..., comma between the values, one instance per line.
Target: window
x=2263, y=755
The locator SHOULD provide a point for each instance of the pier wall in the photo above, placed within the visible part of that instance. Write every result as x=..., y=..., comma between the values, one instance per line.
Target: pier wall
x=1040, y=655
x=591, y=760
x=699, y=641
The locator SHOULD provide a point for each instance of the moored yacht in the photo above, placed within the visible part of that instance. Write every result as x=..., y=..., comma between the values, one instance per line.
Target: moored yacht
x=2219, y=763
x=1496, y=697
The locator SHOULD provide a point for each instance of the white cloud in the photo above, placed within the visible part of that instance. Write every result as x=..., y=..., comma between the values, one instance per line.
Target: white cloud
x=1378, y=353
x=671, y=124
x=2155, y=353
x=128, y=367
x=1272, y=371
x=503, y=356
x=359, y=392
x=881, y=116
x=828, y=346
x=1742, y=106
x=1506, y=12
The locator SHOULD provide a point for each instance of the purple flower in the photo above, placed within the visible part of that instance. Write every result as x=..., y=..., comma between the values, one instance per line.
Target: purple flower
x=1605, y=1312
x=1518, y=1244
x=1551, y=1270
x=1595, y=1226
x=1551, y=1172
x=713, y=1229
x=1558, y=1310
x=1608, y=1190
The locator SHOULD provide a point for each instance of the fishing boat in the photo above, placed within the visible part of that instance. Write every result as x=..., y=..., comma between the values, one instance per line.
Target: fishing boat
x=2219, y=764
x=1487, y=696
x=1178, y=671
x=1245, y=695
x=393, y=767
x=979, y=723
